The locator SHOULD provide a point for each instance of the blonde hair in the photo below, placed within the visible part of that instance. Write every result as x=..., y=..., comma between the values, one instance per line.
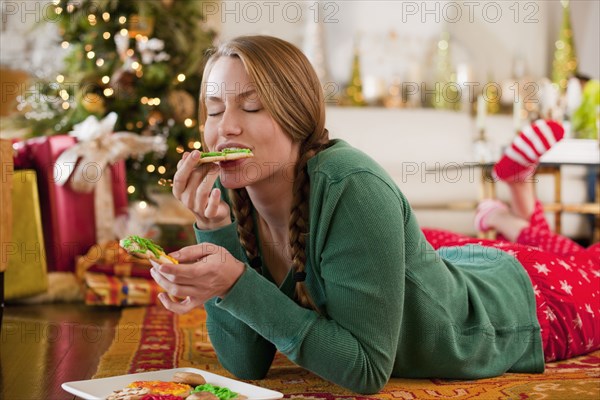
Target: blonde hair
x=291, y=93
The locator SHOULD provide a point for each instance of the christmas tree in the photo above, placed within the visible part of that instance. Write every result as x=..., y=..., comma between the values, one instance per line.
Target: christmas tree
x=565, y=60
x=354, y=94
x=446, y=89
x=140, y=59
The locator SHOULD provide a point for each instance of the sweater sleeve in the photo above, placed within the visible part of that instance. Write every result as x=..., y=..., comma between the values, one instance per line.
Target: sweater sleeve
x=240, y=349
x=358, y=253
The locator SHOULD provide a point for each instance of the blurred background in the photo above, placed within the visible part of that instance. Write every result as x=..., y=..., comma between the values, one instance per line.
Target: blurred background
x=433, y=90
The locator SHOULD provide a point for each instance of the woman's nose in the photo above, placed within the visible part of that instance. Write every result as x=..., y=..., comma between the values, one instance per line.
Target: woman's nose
x=230, y=124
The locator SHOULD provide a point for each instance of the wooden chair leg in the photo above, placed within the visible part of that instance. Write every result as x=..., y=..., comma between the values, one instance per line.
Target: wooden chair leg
x=1, y=297
x=557, y=199
x=487, y=190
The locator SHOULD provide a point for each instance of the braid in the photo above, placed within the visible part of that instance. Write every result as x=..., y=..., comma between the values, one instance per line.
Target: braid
x=242, y=211
x=298, y=229
x=299, y=219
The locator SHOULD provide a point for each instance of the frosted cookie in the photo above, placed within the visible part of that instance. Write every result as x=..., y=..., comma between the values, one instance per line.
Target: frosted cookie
x=161, y=387
x=130, y=393
x=229, y=154
x=145, y=248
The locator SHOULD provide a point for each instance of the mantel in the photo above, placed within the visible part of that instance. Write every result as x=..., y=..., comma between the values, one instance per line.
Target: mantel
x=421, y=135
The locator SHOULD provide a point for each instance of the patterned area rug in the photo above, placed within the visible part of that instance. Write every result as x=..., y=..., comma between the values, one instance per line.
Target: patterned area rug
x=149, y=339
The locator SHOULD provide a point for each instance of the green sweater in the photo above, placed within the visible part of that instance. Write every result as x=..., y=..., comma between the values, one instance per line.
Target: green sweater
x=392, y=306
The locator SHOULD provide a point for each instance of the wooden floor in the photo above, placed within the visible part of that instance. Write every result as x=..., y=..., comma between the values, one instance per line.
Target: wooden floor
x=43, y=346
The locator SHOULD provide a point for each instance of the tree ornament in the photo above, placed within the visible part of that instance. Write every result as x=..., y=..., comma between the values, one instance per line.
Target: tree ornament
x=183, y=105
x=123, y=82
x=93, y=103
x=140, y=25
x=152, y=50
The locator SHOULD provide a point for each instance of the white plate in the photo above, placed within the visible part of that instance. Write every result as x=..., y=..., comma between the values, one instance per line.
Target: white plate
x=103, y=387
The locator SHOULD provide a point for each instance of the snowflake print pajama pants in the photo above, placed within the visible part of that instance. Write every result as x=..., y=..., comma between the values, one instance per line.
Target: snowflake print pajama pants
x=565, y=278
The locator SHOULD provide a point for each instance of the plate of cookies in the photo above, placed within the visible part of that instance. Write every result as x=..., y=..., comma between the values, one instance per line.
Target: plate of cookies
x=169, y=384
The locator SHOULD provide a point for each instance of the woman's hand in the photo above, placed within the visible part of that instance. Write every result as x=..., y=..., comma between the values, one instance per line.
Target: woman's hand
x=193, y=186
x=205, y=271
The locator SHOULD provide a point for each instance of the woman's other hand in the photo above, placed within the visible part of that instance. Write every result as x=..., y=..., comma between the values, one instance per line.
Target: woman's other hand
x=205, y=271
x=193, y=186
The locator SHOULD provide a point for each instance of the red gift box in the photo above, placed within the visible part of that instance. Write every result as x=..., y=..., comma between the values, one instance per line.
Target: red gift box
x=68, y=216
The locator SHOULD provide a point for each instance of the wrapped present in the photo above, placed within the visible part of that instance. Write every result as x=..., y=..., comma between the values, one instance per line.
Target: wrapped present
x=106, y=290
x=5, y=200
x=82, y=184
x=6, y=179
x=113, y=277
x=26, y=274
x=69, y=216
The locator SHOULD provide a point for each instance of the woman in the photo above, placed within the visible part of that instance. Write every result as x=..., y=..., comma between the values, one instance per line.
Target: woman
x=309, y=248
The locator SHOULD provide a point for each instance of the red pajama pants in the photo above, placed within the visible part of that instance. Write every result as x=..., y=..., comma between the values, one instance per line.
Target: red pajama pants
x=565, y=278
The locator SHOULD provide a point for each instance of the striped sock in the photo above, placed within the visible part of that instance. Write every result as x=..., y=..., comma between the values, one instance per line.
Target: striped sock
x=520, y=159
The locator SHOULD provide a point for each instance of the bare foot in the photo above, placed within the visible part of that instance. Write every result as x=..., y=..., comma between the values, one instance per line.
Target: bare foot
x=506, y=223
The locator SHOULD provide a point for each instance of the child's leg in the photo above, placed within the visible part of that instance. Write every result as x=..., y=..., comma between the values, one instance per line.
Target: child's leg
x=523, y=198
x=568, y=302
x=533, y=232
x=516, y=168
x=522, y=156
x=493, y=214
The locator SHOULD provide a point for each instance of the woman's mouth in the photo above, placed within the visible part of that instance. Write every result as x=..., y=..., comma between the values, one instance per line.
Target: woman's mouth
x=228, y=165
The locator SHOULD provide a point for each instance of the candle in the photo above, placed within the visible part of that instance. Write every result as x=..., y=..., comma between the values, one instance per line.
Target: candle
x=481, y=113
x=463, y=73
x=517, y=114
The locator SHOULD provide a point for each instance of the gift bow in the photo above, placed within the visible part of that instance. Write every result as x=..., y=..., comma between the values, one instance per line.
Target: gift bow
x=98, y=147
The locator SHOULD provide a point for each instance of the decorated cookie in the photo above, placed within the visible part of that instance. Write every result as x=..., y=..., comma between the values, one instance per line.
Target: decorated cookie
x=161, y=387
x=129, y=393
